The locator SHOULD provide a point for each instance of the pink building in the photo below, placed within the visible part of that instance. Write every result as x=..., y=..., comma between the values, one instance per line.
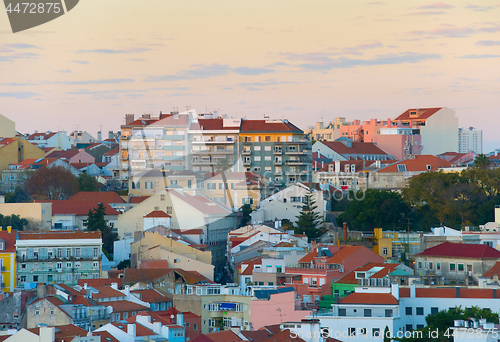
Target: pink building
x=275, y=307
x=391, y=136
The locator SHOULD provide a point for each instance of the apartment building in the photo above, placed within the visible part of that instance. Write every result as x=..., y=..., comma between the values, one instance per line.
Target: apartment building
x=470, y=139
x=277, y=150
x=330, y=132
x=57, y=256
x=8, y=259
x=15, y=150
x=58, y=139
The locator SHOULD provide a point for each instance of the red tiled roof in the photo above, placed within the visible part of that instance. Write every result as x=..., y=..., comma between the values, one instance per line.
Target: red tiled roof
x=125, y=305
x=10, y=240
x=147, y=275
x=68, y=154
x=105, y=336
x=150, y=296
x=356, y=148
x=369, y=298
x=495, y=270
x=112, y=152
x=220, y=336
x=64, y=332
x=58, y=235
x=137, y=199
x=80, y=166
x=250, y=265
x=105, y=292
x=263, y=126
x=418, y=163
x=158, y=213
x=82, y=300
x=100, y=282
x=77, y=207
x=100, y=196
x=284, y=336
x=69, y=289
x=425, y=113
x=140, y=330
x=462, y=250
x=25, y=164
x=43, y=136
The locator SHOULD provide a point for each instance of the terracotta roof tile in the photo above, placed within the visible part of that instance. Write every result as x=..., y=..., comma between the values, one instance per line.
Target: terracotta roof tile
x=215, y=125
x=356, y=148
x=284, y=336
x=147, y=275
x=99, y=196
x=263, y=126
x=158, y=213
x=462, y=250
x=58, y=235
x=369, y=298
x=77, y=207
x=137, y=199
x=64, y=332
x=100, y=282
x=495, y=270
x=9, y=239
x=151, y=296
x=125, y=305
x=425, y=113
x=417, y=163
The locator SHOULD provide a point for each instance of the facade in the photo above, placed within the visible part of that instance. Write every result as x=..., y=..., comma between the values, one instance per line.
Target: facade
x=329, y=133
x=81, y=137
x=7, y=127
x=40, y=213
x=146, y=183
x=455, y=263
x=15, y=150
x=277, y=150
x=438, y=128
x=58, y=256
x=76, y=156
x=470, y=139
x=8, y=259
x=346, y=149
x=394, y=244
x=50, y=139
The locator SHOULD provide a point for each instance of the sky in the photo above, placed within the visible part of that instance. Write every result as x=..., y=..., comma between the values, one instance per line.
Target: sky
x=305, y=61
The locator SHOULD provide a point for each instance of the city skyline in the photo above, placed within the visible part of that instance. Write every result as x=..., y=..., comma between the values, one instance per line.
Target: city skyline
x=303, y=61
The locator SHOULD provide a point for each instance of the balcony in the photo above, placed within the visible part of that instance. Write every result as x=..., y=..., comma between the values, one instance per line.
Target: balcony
x=297, y=151
x=295, y=162
x=203, y=162
x=278, y=172
x=3, y=285
x=216, y=151
x=247, y=162
x=278, y=152
x=247, y=152
x=3, y=268
x=173, y=148
x=278, y=162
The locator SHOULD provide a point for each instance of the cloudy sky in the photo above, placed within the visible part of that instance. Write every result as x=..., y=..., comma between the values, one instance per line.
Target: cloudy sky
x=302, y=60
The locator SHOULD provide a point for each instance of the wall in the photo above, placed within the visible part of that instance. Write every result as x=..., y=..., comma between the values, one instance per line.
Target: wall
x=278, y=309
x=440, y=134
x=45, y=309
x=37, y=211
x=7, y=127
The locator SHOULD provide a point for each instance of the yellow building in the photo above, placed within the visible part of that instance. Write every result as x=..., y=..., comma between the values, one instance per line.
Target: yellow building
x=15, y=150
x=392, y=244
x=8, y=258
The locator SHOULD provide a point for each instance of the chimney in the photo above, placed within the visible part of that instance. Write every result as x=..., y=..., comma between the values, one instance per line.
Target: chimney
x=413, y=291
x=127, y=291
x=157, y=327
x=337, y=166
x=131, y=329
x=41, y=290
x=336, y=298
x=129, y=118
x=395, y=290
x=9, y=229
x=114, y=286
x=85, y=286
x=496, y=152
x=457, y=292
x=99, y=136
x=180, y=319
x=345, y=230
x=89, y=292
x=161, y=114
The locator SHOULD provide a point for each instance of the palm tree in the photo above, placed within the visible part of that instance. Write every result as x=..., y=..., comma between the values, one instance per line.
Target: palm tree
x=482, y=161
x=222, y=166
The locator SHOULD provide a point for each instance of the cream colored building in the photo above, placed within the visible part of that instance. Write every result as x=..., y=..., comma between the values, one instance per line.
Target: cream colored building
x=7, y=127
x=188, y=212
x=146, y=183
x=154, y=246
x=37, y=212
x=328, y=133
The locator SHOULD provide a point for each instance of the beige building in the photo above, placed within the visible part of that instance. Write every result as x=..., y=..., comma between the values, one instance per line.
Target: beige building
x=15, y=150
x=154, y=246
x=40, y=213
x=328, y=133
x=187, y=212
x=7, y=127
x=146, y=183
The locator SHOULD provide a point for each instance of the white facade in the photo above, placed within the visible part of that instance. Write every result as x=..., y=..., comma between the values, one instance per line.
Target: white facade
x=470, y=139
x=439, y=135
x=122, y=249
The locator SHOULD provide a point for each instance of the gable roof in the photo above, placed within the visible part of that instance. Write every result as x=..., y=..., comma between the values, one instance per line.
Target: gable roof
x=425, y=113
x=369, y=298
x=462, y=250
x=495, y=270
x=417, y=163
x=68, y=154
x=41, y=136
x=9, y=240
x=148, y=275
x=263, y=126
x=64, y=332
x=157, y=213
x=100, y=196
x=220, y=336
x=356, y=147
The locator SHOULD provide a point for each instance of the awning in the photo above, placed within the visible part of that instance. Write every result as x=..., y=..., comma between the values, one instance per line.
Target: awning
x=227, y=306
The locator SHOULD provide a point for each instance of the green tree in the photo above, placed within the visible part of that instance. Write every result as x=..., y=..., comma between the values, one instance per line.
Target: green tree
x=123, y=264
x=87, y=183
x=386, y=334
x=246, y=209
x=18, y=196
x=51, y=183
x=15, y=221
x=308, y=220
x=96, y=221
x=481, y=161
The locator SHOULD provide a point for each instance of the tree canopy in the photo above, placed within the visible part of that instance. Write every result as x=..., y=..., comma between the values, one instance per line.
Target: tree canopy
x=15, y=221
x=87, y=183
x=308, y=220
x=96, y=221
x=51, y=183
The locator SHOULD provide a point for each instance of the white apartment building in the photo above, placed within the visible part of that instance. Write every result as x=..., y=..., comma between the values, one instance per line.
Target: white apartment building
x=470, y=139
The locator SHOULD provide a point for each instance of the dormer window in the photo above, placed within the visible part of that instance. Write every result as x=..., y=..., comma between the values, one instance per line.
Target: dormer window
x=429, y=167
x=2, y=245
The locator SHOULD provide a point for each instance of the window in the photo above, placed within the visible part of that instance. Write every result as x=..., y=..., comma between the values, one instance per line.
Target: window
x=267, y=148
x=460, y=267
x=69, y=265
x=256, y=148
x=419, y=264
x=23, y=279
x=362, y=331
x=420, y=326
x=195, y=326
x=452, y=267
x=376, y=332
x=162, y=197
x=35, y=279
x=368, y=313
x=434, y=310
x=23, y=265
x=409, y=327
x=409, y=311
x=438, y=266
x=401, y=167
x=385, y=251
x=59, y=253
x=149, y=185
x=59, y=265
x=431, y=265
x=388, y=312
x=256, y=158
x=169, y=210
x=117, y=315
x=420, y=311
x=268, y=158
x=77, y=252
x=351, y=331
x=95, y=264
x=220, y=186
x=211, y=186
x=342, y=312
x=37, y=312
x=267, y=138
